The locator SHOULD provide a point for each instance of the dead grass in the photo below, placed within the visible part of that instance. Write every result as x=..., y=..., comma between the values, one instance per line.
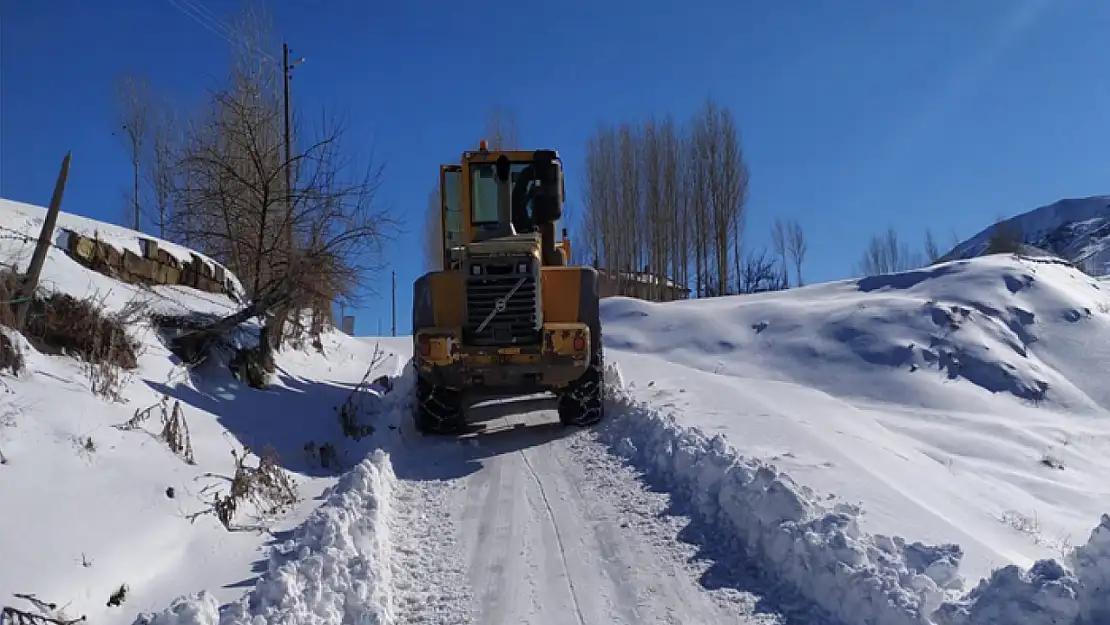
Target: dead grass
x=59, y=323
x=174, y=432
x=266, y=486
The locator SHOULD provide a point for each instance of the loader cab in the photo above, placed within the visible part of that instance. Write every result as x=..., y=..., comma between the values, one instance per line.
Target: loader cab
x=469, y=199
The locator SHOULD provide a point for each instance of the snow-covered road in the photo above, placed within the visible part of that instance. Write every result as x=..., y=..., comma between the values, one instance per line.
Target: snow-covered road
x=546, y=527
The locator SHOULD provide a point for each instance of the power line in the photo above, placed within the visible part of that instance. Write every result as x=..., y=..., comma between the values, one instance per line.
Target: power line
x=206, y=25
x=210, y=21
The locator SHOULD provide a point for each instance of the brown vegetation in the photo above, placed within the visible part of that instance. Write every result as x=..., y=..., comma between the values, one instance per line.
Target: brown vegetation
x=266, y=486
x=62, y=324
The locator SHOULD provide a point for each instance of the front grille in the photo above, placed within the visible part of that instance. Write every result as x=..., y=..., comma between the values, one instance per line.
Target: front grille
x=518, y=323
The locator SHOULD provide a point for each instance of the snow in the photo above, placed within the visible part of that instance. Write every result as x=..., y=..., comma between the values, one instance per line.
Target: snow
x=1077, y=230
x=87, y=506
x=919, y=448
x=19, y=230
x=912, y=401
x=22, y=223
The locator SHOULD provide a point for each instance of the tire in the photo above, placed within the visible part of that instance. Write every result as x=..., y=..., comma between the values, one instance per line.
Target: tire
x=438, y=410
x=583, y=404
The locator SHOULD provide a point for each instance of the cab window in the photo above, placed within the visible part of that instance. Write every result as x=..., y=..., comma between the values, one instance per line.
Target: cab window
x=452, y=211
x=483, y=191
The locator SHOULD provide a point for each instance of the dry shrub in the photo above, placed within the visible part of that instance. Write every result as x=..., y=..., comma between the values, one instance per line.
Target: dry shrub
x=326, y=455
x=11, y=359
x=352, y=408
x=62, y=324
x=251, y=365
x=266, y=486
x=175, y=431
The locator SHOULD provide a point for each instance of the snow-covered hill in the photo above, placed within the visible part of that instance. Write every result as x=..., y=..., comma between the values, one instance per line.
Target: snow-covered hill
x=89, y=506
x=856, y=452
x=1077, y=230
x=965, y=403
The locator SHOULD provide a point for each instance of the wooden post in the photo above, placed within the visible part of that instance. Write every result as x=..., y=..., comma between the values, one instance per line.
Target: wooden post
x=31, y=280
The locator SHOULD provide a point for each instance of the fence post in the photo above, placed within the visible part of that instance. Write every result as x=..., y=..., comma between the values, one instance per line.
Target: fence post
x=31, y=280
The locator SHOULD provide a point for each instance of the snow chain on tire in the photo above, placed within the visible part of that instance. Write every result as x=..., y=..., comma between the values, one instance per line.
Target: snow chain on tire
x=582, y=404
x=437, y=409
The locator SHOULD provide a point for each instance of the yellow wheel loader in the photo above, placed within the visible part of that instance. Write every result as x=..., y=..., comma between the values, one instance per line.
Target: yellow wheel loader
x=506, y=316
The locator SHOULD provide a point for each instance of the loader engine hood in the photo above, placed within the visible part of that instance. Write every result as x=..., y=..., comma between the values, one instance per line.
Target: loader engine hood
x=514, y=245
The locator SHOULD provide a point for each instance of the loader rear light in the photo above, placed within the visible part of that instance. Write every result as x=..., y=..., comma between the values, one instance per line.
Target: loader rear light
x=579, y=343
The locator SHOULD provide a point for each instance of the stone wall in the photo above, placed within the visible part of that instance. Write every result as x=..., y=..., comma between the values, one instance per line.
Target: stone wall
x=154, y=266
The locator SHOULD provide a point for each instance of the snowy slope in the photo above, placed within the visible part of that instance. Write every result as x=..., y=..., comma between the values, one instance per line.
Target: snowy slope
x=1077, y=230
x=935, y=399
x=762, y=459
x=87, y=506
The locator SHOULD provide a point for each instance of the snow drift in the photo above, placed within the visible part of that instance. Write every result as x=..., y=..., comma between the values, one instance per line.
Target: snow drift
x=819, y=550
x=333, y=570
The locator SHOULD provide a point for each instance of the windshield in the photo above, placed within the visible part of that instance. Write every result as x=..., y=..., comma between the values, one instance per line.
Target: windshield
x=483, y=191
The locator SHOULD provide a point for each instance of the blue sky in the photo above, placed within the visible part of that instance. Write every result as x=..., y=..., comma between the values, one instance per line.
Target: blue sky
x=856, y=114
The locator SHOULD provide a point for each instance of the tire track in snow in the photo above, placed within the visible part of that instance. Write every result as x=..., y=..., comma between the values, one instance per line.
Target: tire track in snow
x=429, y=578
x=558, y=539
x=564, y=528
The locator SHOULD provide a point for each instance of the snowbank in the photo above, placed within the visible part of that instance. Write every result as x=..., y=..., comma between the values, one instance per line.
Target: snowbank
x=19, y=230
x=334, y=569
x=336, y=566
x=819, y=550
x=19, y=220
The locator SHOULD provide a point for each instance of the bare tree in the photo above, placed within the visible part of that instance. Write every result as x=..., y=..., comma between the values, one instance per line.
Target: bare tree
x=778, y=243
x=760, y=272
x=887, y=254
x=133, y=110
x=932, y=250
x=658, y=198
x=796, y=246
x=501, y=129
x=234, y=204
x=161, y=171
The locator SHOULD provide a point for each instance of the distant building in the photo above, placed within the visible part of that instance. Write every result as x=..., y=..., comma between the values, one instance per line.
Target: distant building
x=347, y=326
x=641, y=285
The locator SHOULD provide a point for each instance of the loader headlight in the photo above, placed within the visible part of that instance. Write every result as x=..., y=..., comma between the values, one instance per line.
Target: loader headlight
x=475, y=270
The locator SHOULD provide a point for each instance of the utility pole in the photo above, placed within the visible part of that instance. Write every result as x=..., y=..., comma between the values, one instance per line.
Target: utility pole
x=394, y=303
x=38, y=257
x=287, y=72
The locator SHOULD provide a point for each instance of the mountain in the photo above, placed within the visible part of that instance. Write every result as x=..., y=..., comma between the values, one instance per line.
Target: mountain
x=1077, y=230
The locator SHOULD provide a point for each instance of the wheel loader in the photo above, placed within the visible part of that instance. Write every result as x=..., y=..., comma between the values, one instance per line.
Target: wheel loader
x=506, y=315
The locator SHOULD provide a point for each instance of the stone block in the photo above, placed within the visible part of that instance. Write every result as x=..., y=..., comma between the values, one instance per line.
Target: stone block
x=150, y=248
x=83, y=248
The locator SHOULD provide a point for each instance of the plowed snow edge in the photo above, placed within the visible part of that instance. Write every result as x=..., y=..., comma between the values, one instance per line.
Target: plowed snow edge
x=335, y=569
x=820, y=552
